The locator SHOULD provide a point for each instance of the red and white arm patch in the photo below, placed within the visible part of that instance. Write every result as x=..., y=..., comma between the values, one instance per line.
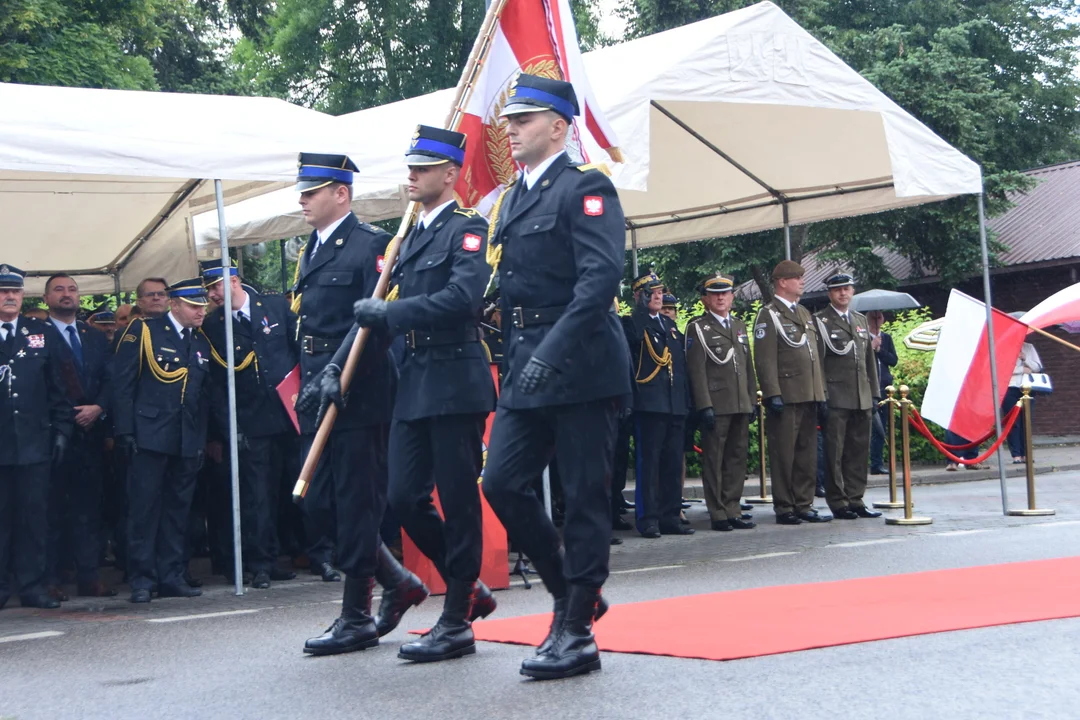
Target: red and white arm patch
x=380, y=263
x=472, y=242
x=594, y=205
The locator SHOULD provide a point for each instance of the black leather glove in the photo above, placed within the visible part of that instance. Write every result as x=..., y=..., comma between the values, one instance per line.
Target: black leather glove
x=330, y=386
x=707, y=418
x=307, y=401
x=774, y=403
x=60, y=443
x=822, y=413
x=125, y=445
x=534, y=376
x=370, y=312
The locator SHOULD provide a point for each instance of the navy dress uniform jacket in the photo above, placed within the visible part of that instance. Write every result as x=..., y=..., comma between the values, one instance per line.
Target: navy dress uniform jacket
x=345, y=268
x=271, y=335
x=668, y=390
x=566, y=233
x=167, y=418
x=33, y=405
x=441, y=274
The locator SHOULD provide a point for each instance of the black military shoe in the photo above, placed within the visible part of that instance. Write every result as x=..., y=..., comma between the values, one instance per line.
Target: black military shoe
x=812, y=516
x=181, y=590
x=676, y=529
x=355, y=629
x=326, y=571
x=618, y=523
x=788, y=518
x=573, y=650
x=722, y=526
x=483, y=603
x=740, y=524
x=558, y=616
x=40, y=600
x=192, y=581
x=140, y=596
x=452, y=635
x=401, y=591
x=261, y=581
x=845, y=513
x=651, y=531
x=865, y=512
x=746, y=506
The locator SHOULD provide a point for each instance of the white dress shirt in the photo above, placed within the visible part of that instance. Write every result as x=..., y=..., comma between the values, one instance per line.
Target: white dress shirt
x=324, y=234
x=427, y=217
x=62, y=327
x=539, y=170
x=14, y=327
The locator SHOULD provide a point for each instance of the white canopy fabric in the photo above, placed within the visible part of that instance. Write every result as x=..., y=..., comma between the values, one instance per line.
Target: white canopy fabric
x=722, y=122
x=102, y=183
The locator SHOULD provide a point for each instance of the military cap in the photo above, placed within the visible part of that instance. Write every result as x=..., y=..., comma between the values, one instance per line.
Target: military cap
x=190, y=291
x=11, y=277
x=648, y=281
x=787, y=269
x=670, y=301
x=105, y=317
x=318, y=170
x=435, y=146
x=839, y=280
x=716, y=283
x=212, y=273
x=531, y=93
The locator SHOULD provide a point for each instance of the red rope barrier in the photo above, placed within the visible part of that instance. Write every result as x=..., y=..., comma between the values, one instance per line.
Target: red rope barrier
x=919, y=424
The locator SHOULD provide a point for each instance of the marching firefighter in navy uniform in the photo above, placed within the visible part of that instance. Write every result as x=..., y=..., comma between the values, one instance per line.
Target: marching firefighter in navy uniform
x=558, y=235
x=36, y=421
x=445, y=393
x=161, y=404
x=266, y=350
x=341, y=264
x=661, y=402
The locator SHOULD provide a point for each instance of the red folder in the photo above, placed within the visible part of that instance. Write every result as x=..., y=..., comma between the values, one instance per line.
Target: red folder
x=287, y=390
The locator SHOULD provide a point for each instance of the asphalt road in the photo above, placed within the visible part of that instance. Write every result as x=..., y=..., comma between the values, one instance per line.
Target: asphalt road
x=184, y=658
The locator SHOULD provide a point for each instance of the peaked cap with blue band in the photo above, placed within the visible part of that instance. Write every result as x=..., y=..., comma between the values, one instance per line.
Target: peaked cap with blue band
x=190, y=291
x=212, y=274
x=11, y=277
x=318, y=170
x=531, y=93
x=435, y=146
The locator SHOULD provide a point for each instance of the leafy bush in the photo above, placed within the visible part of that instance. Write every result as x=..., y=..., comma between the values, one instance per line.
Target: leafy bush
x=913, y=369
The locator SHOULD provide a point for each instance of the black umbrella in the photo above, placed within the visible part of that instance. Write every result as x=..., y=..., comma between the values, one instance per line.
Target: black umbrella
x=883, y=300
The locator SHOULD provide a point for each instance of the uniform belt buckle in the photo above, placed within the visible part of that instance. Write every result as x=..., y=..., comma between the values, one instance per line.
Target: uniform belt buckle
x=410, y=339
x=517, y=315
x=309, y=345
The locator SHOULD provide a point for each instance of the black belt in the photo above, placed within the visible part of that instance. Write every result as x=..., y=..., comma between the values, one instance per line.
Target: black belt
x=427, y=338
x=527, y=317
x=312, y=345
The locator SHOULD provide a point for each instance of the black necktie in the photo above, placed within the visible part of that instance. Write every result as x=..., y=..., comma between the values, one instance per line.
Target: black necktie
x=245, y=322
x=9, y=337
x=187, y=341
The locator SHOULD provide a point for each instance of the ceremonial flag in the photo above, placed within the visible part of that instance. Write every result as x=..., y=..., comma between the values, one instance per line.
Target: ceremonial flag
x=1061, y=307
x=536, y=37
x=958, y=393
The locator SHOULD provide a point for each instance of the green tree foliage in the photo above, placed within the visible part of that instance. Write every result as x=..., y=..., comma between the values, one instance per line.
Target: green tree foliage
x=995, y=78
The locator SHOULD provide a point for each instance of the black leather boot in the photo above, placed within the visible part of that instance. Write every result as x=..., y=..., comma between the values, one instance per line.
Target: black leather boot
x=355, y=629
x=452, y=636
x=483, y=603
x=558, y=616
x=573, y=650
x=401, y=591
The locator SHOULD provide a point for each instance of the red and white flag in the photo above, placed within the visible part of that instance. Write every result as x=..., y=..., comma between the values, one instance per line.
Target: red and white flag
x=1061, y=307
x=536, y=37
x=958, y=393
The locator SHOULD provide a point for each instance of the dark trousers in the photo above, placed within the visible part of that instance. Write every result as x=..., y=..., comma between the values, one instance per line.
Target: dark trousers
x=344, y=504
x=847, y=443
x=723, y=465
x=75, y=502
x=622, y=464
x=792, y=435
x=24, y=500
x=263, y=462
x=115, y=506
x=582, y=438
x=211, y=521
x=952, y=438
x=445, y=453
x=1017, y=444
x=879, y=425
x=658, y=439
x=160, y=491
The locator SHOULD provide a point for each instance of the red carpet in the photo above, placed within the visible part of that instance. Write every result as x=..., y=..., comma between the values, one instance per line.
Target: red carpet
x=771, y=620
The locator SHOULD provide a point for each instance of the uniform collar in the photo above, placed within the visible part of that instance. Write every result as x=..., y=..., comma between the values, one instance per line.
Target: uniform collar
x=176, y=324
x=721, y=320
x=429, y=217
x=530, y=178
x=246, y=309
x=324, y=235
x=14, y=323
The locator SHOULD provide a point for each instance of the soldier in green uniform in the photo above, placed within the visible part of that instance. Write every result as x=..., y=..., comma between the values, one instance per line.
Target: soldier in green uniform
x=852, y=381
x=790, y=375
x=724, y=389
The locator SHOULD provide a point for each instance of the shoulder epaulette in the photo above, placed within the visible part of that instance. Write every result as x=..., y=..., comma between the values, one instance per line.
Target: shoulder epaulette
x=467, y=212
x=371, y=228
x=602, y=167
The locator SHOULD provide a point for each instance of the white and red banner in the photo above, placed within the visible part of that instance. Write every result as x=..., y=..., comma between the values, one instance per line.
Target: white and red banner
x=536, y=37
x=958, y=393
x=1061, y=307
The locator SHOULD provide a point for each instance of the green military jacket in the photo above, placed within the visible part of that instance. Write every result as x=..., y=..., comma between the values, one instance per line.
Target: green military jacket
x=851, y=375
x=720, y=366
x=787, y=355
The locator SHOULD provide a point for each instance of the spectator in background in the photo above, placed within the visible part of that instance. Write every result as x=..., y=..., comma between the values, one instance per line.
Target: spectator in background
x=885, y=352
x=152, y=297
x=104, y=322
x=1028, y=362
x=123, y=316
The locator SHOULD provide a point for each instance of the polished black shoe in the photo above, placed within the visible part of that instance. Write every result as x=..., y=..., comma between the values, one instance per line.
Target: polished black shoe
x=677, y=529
x=483, y=603
x=746, y=506
x=261, y=581
x=279, y=574
x=57, y=593
x=401, y=591
x=812, y=516
x=740, y=524
x=618, y=523
x=326, y=571
x=865, y=512
x=182, y=590
x=651, y=531
x=788, y=518
x=452, y=635
x=355, y=629
x=746, y=516
x=721, y=526
x=192, y=581
x=42, y=601
x=140, y=596
x=819, y=492
x=572, y=650
x=878, y=471
x=844, y=513
x=558, y=615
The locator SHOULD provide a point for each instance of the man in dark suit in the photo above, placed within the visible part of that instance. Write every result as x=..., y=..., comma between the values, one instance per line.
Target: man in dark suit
x=77, y=483
x=445, y=393
x=161, y=401
x=559, y=236
x=660, y=408
x=885, y=352
x=35, y=424
x=266, y=350
x=341, y=264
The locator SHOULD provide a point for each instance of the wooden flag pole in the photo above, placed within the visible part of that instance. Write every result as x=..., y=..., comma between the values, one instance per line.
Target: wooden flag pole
x=1055, y=338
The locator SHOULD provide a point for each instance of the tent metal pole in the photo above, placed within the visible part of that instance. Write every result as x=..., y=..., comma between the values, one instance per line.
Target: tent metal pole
x=787, y=233
x=116, y=286
x=993, y=357
x=230, y=360
x=284, y=267
x=633, y=249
